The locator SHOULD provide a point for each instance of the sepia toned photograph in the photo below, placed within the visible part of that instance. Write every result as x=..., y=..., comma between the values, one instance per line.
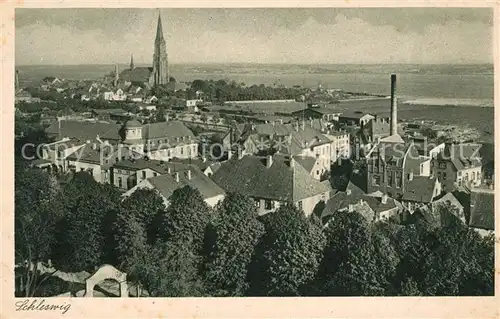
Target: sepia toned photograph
x=252, y=152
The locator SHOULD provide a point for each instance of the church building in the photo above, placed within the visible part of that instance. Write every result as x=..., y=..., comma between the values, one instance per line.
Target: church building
x=149, y=76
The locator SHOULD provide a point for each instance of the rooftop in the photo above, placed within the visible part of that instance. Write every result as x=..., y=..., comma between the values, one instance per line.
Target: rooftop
x=420, y=189
x=167, y=184
x=284, y=180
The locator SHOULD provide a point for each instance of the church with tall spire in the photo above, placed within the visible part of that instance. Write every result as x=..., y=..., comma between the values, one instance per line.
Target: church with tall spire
x=160, y=59
x=149, y=76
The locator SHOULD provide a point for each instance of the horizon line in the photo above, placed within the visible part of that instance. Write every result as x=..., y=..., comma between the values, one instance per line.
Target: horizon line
x=265, y=63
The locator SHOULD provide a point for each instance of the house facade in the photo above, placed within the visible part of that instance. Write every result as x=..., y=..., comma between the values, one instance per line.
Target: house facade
x=457, y=165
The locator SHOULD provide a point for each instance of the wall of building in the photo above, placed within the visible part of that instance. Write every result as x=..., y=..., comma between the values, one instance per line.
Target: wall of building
x=470, y=176
x=92, y=168
x=127, y=177
x=182, y=151
x=308, y=204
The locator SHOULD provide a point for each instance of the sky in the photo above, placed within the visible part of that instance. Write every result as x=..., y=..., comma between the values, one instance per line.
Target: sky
x=280, y=35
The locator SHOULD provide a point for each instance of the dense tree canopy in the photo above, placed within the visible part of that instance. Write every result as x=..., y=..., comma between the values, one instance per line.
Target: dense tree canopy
x=289, y=254
x=38, y=208
x=236, y=231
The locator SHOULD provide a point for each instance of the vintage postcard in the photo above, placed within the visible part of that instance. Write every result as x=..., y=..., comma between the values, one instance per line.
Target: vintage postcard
x=239, y=160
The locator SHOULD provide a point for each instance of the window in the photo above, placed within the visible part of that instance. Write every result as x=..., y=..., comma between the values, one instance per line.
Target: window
x=473, y=177
x=317, y=172
x=120, y=182
x=300, y=205
x=442, y=165
x=376, y=180
x=444, y=176
x=389, y=178
x=466, y=177
x=257, y=203
x=155, y=174
x=459, y=173
x=269, y=204
x=143, y=174
x=182, y=150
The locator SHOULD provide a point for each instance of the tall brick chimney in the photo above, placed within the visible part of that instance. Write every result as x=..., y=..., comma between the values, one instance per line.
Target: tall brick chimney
x=394, y=106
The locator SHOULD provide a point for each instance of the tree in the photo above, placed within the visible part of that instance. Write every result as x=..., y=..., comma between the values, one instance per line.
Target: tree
x=91, y=209
x=186, y=219
x=171, y=270
x=38, y=207
x=160, y=115
x=236, y=231
x=288, y=255
x=356, y=263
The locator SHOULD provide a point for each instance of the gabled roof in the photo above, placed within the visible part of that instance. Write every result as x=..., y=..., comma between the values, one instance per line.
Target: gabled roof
x=160, y=167
x=462, y=155
x=93, y=153
x=250, y=176
x=84, y=131
x=420, y=189
x=138, y=74
x=289, y=138
x=171, y=129
x=306, y=162
x=354, y=115
x=482, y=211
x=395, y=138
x=449, y=198
x=167, y=184
x=202, y=165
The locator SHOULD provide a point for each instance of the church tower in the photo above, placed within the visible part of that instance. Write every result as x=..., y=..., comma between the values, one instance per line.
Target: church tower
x=160, y=59
x=132, y=66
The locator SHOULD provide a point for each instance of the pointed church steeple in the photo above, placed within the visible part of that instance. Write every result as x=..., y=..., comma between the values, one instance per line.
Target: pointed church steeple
x=160, y=57
x=132, y=66
x=159, y=30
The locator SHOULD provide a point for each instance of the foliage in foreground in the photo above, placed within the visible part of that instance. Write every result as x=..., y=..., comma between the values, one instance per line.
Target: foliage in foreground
x=190, y=249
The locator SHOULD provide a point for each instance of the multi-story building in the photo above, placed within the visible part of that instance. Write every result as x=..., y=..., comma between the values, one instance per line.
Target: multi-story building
x=457, y=165
x=272, y=181
x=390, y=167
x=165, y=184
x=296, y=139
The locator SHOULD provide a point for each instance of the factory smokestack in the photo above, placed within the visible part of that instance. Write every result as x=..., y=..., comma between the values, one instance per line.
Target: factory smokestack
x=394, y=106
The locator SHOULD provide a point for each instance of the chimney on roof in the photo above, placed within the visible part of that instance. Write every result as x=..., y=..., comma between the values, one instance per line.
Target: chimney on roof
x=348, y=192
x=351, y=208
x=292, y=162
x=240, y=153
x=297, y=126
x=311, y=122
x=229, y=154
x=167, y=117
x=269, y=161
x=303, y=125
x=273, y=123
x=410, y=176
x=384, y=199
x=189, y=174
x=203, y=159
x=177, y=177
x=394, y=106
x=281, y=121
x=169, y=170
